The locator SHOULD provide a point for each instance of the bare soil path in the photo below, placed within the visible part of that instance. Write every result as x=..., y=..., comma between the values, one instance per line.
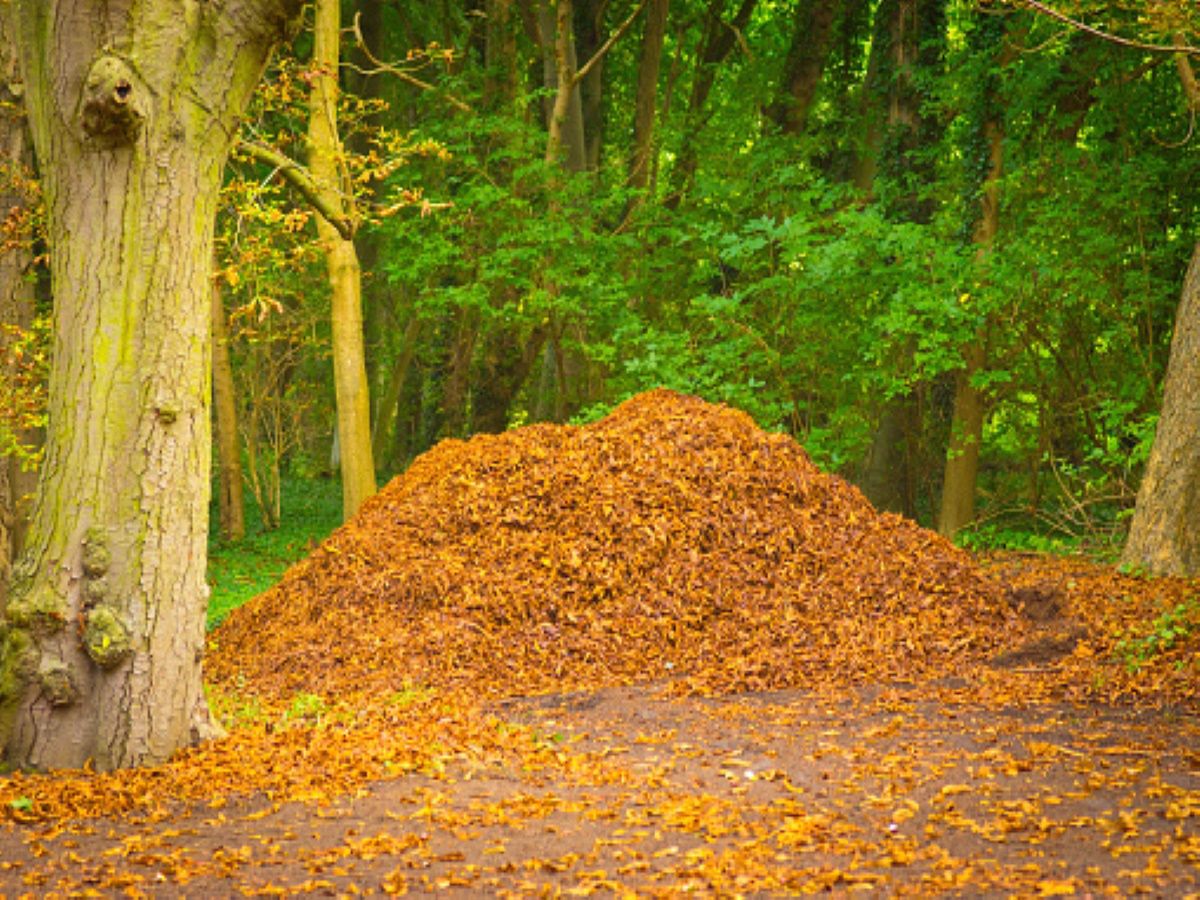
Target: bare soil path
x=898, y=791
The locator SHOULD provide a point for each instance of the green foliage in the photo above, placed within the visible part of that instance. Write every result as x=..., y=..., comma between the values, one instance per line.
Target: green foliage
x=237, y=572
x=25, y=364
x=1169, y=629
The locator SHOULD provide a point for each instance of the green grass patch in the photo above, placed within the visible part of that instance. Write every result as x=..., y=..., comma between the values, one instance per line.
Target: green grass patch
x=312, y=508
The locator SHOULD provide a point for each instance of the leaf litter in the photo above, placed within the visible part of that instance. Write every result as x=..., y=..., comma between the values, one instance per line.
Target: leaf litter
x=656, y=654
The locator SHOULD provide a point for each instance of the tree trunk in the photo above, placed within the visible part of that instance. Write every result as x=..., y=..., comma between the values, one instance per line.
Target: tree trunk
x=385, y=418
x=1164, y=536
x=962, y=455
x=718, y=40
x=132, y=118
x=341, y=262
x=17, y=479
x=589, y=20
x=564, y=119
x=811, y=44
x=231, y=509
x=646, y=101
x=966, y=422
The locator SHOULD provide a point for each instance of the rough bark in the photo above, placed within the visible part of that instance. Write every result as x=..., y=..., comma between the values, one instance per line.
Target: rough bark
x=1164, y=536
x=231, y=509
x=132, y=107
x=341, y=263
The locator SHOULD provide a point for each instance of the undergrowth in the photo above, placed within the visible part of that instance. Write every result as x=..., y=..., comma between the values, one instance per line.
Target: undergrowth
x=312, y=508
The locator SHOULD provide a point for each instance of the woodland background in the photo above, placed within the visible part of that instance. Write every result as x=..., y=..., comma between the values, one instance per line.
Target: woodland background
x=941, y=243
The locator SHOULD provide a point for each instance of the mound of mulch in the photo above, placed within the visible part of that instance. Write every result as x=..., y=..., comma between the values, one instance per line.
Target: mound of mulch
x=674, y=540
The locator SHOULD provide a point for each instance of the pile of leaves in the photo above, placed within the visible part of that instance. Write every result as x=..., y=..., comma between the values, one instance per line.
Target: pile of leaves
x=673, y=540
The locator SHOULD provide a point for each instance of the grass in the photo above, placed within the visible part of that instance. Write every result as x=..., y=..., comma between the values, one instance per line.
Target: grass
x=312, y=508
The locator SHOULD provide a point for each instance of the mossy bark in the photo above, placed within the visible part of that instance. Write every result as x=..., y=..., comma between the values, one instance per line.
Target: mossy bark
x=132, y=107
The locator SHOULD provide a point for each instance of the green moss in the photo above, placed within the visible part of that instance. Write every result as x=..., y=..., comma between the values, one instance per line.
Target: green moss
x=105, y=637
x=41, y=607
x=15, y=662
x=96, y=557
x=58, y=684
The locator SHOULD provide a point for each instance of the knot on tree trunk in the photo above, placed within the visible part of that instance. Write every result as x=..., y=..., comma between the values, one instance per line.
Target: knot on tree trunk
x=112, y=108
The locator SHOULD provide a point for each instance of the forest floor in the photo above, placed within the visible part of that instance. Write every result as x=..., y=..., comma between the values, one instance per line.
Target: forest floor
x=982, y=784
x=659, y=655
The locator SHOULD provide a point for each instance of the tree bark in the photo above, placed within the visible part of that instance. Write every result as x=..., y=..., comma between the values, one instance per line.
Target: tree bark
x=966, y=423
x=231, y=508
x=341, y=262
x=132, y=118
x=1164, y=536
x=564, y=119
x=646, y=101
x=811, y=44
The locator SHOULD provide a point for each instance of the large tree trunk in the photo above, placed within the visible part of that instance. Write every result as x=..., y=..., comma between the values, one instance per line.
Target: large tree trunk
x=341, y=261
x=1164, y=536
x=17, y=479
x=132, y=117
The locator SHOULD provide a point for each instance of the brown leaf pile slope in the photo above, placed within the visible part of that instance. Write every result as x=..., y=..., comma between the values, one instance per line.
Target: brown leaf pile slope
x=674, y=538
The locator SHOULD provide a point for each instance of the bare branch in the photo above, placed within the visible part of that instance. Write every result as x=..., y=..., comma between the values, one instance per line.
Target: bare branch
x=299, y=178
x=583, y=70
x=390, y=69
x=1046, y=10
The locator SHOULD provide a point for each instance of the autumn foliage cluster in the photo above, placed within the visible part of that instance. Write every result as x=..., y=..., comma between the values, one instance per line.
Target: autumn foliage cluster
x=673, y=540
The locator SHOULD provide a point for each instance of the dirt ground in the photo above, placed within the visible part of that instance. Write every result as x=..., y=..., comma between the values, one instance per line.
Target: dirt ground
x=909, y=790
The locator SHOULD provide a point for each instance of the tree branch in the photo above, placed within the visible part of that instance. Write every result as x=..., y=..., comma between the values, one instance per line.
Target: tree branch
x=583, y=70
x=390, y=69
x=299, y=178
x=1187, y=77
x=1045, y=10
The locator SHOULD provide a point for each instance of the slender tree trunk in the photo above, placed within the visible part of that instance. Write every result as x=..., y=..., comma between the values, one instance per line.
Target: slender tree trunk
x=589, y=21
x=17, y=479
x=231, y=509
x=132, y=118
x=966, y=423
x=390, y=401
x=341, y=262
x=718, y=41
x=646, y=101
x=564, y=122
x=892, y=109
